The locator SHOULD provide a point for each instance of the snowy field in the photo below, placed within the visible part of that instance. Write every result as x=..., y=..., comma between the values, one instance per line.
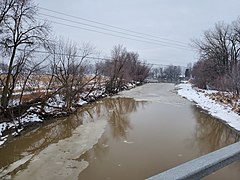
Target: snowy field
x=216, y=109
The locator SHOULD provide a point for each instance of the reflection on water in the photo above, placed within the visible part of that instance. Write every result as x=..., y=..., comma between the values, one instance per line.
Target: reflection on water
x=157, y=149
x=116, y=111
x=38, y=139
x=211, y=134
x=141, y=139
x=119, y=110
x=32, y=142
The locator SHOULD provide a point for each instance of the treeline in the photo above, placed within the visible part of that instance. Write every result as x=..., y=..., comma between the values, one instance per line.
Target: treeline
x=170, y=73
x=218, y=66
x=52, y=76
x=122, y=68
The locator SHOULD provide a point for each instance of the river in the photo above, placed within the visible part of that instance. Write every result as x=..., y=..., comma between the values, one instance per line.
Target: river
x=135, y=135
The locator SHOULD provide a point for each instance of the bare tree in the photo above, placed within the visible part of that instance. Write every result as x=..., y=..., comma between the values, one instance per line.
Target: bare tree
x=30, y=82
x=5, y=6
x=123, y=67
x=22, y=36
x=156, y=73
x=69, y=70
x=231, y=82
x=142, y=71
x=219, y=53
x=172, y=73
x=115, y=69
x=215, y=47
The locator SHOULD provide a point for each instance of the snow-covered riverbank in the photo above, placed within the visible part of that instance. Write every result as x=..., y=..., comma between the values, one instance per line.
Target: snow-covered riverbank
x=216, y=109
x=53, y=108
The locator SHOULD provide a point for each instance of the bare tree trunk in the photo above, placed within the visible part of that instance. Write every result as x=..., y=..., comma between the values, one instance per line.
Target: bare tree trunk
x=6, y=94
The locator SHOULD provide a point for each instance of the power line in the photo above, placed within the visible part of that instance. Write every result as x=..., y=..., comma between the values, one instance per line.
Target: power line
x=65, y=54
x=111, y=26
x=105, y=29
x=94, y=58
x=114, y=35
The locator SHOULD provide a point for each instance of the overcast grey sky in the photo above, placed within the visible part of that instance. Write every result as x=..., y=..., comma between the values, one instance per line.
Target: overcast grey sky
x=174, y=20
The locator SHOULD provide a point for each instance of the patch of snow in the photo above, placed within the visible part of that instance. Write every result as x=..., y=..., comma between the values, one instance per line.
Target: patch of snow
x=17, y=133
x=57, y=101
x=3, y=127
x=14, y=124
x=2, y=142
x=81, y=102
x=184, y=82
x=29, y=92
x=214, y=108
x=31, y=118
x=13, y=102
x=54, y=103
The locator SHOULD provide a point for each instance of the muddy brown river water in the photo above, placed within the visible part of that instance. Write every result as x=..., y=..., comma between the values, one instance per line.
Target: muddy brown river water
x=147, y=130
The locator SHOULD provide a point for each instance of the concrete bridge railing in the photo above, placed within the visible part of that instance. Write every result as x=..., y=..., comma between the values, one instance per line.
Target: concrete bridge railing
x=202, y=166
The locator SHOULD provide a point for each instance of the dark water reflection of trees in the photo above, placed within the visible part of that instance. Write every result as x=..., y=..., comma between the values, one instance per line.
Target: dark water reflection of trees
x=34, y=141
x=115, y=110
x=212, y=134
x=118, y=115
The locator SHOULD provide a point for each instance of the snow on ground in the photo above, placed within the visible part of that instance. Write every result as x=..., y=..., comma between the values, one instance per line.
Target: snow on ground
x=53, y=104
x=81, y=102
x=3, y=140
x=8, y=125
x=216, y=109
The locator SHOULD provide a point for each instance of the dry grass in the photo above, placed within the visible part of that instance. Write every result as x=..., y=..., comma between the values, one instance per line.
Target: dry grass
x=39, y=83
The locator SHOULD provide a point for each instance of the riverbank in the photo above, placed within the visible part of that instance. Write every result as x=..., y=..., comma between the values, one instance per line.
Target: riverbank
x=177, y=132
x=53, y=108
x=203, y=99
